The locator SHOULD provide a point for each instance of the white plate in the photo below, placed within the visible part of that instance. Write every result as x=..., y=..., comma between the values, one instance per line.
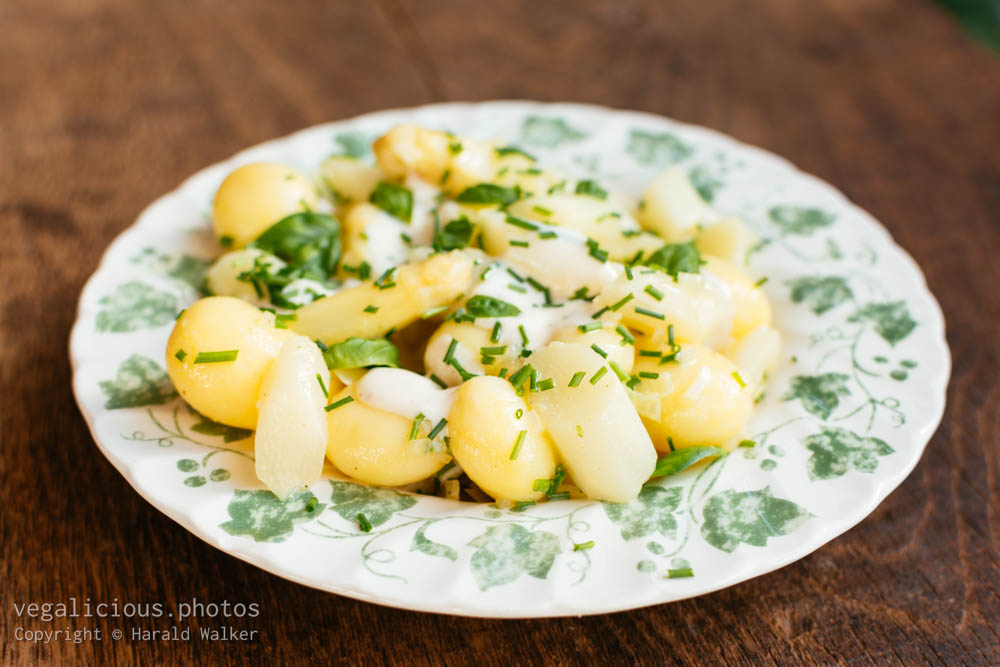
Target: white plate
x=846, y=415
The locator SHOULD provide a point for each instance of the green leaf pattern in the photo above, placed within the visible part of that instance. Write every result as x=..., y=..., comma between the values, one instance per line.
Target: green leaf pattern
x=264, y=517
x=652, y=512
x=820, y=394
x=139, y=381
x=820, y=293
x=548, y=132
x=134, y=306
x=836, y=451
x=378, y=505
x=656, y=148
x=892, y=320
x=749, y=517
x=800, y=220
x=503, y=553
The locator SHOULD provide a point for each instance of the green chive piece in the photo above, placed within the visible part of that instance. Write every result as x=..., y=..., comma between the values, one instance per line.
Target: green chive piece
x=523, y=224
x=517, y=276
x=181, y=355
x=632, y=382
x=364, y=524
x=598, y=375
x=524, y=335
x=546, y=384
x=648, y=375
x=216, y=357
x=521, y=375
x=760, y=282
x=518, y=288
x=653, y=292
x=626, y=336
x=618, y=371
x=497, y=350
x=583, y=546
x=438, y=381
x=577, y=378
x=415, y=428
x=579, y=431
x=450, y=354
x=621, y=302
x=533, y=380
x=541, y=485
x=322, y=385
x=518, y=444
x=281, y=320
x=597, y=348
x=747, y=443
x=519, y=413
x=371, y=308
x=344, y=401
x=541, y=210
x=432, y=312
x=670, y=444
x=183, y=310
x=628, y=272
x=680, y=573
x=437, y=429
x=547, y=234
x=502, y=373
x=495, y=335
x=650, y=313
x=590, y=326
x=670, y=335
x=519, y=244
x=650, y=353
x=739, y=379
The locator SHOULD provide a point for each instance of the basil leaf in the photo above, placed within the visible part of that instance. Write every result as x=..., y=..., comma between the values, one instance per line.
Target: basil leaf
x=675, y=258
x=455, y=235
x=591, y=188
x=684, y=458
x=487, y=306
x=394, y=199
x=489, y=193
x=514, y=150
x=308, y=242
x=360, y=353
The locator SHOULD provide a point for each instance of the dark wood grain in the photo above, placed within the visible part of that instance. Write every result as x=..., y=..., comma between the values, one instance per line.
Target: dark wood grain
x=105, y=105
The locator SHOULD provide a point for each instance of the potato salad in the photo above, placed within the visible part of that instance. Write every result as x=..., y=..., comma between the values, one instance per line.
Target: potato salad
x=456, y=319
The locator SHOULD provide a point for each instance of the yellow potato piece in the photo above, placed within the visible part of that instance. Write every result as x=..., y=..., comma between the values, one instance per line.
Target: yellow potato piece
x=729, y=239
x=471, y=339
x=751, y=308
x=485, y=427
x=374, y=446
x=420, y=287
x=606, y=338
x=349, y=178
x=672, y=207
x=597, y=433
x=432, y=154
x=255, y=196
x=755, y=355
x=703, y=400
x=224, y=391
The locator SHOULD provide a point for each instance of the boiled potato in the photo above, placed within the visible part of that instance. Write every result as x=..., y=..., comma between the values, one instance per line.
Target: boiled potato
x=371, y=235
x=374, y=446
x=224, y=391
x=290, y=440
x=256, y=196
x=703, y=399
x=432, y=155
x=418, y=288
x=349, y=178
x=471, y=339
x=751, y=308
x=485, y=425
x=672, y=207
x=696, y=309
x=516, y=170
x=597, y=433
x=223, y=277
x=755, y=355
x=729, y=239
x=618, y=349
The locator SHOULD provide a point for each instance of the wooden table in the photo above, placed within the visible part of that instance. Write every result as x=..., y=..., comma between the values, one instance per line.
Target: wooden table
x=105, y=105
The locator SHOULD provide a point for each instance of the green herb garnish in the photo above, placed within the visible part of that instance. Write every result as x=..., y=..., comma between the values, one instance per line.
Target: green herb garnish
x=488, y=306
x=361, y=353
x=676, y=258
x=591, y=188
x=682, y=459
x=344, y=401
x=216, y=357
x=518, y=443
x=394, y=199
x=489, y=193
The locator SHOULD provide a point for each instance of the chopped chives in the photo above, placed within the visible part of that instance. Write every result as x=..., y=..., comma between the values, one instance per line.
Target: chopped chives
x=648, y=375
x=670, y=444
x=364, y=270
x=518, y=413
x=180, y=355
x=364, y=524
x=523, y=224
x=579, y=431
x=519, y=244
x=518, y=288
x=760, y=282
x=495, y=335
x=517, y=276
x=680, y=573
x=562, y=495
x=415, y=428
x=670, y=335
x=216, y=357
x=371, y=308
x=541, y=485
x=499, y=349
x=650, y=353
x=385, y=281
x=521, y=504
x=450, y=354
x=487, y=360
x=321, y=345
x=281, y=320
x=583, y=546
x=533, y=380
x=541, y=210
x=618, y=371
x=462, y=373
x=322, y=385
x=344, y=401
x=624, y=333
x=650, y=313
x=444, y=176
x=547, y=234
x=590, y=326
x=437, y=429
x=502, y=373
x=598, y=375
x=600, y=312
x=546, y=384
x=747, y=443
x=518, y=444
x=432, y=312
x=739, y=379
x=653, y=292
x=596, y=348
x=632, y=382
x=438, y=381
x=628, y=272
x=524, y=335
x=576, y=379
x=621, y=302
x=521, y=374
x=183, y=310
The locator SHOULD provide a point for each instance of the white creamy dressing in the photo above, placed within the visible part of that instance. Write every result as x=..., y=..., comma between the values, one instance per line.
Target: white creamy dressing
x=304, y=291
x=425, y=200
x=405, y=393
x=385, y=247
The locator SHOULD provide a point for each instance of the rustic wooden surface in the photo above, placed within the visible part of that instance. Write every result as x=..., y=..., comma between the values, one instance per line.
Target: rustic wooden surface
x=106, y=105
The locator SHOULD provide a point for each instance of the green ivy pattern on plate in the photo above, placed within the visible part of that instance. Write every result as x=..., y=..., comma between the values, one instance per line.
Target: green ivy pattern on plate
x=841, y=407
